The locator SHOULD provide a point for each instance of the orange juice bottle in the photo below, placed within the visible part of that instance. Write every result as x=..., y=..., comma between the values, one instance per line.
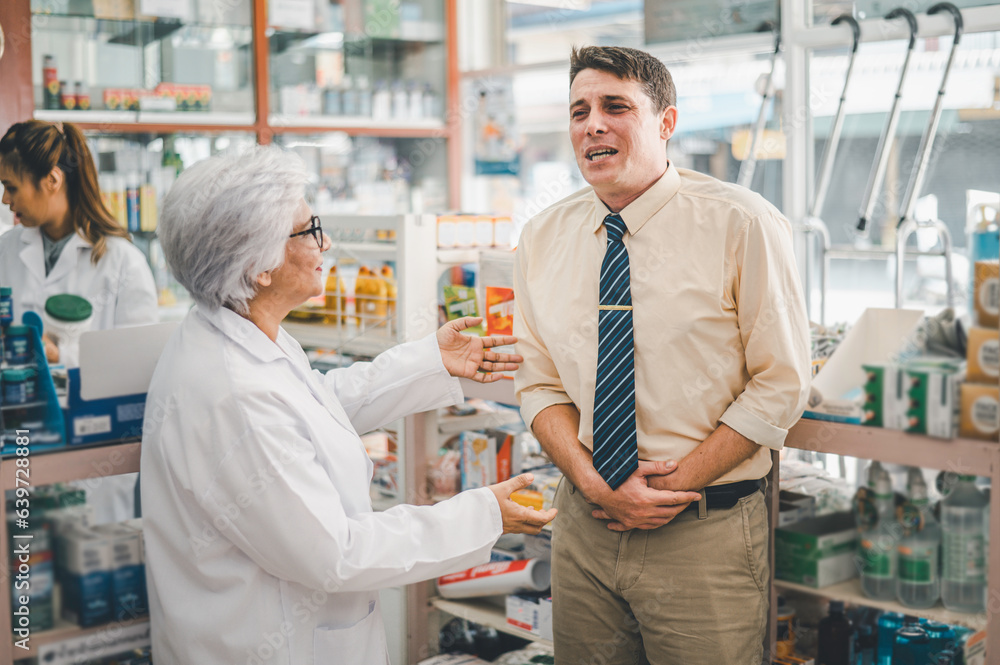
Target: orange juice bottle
x=336, y=298
x=391, y=292
x=361, y=289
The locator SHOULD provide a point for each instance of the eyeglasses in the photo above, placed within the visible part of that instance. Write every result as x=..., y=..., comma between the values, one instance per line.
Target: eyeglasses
x=315, y=230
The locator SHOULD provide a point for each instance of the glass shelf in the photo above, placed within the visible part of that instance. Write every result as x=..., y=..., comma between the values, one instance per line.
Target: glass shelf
x=384, y=64
x=95, y=57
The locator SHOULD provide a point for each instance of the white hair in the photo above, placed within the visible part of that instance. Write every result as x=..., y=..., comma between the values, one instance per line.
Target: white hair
x=227, y=219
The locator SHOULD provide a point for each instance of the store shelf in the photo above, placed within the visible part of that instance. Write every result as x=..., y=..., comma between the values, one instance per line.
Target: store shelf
x=64, y=630
x=501, y=391
x=850, y=592
x=956, y=455
x=345, y=122
x=74, y=463
x=347, y=340
x=24, y=405
x=484, y=613
x=382, y=251
x=139, y=118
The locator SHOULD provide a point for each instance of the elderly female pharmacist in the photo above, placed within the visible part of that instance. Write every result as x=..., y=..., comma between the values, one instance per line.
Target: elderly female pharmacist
x=261, y=543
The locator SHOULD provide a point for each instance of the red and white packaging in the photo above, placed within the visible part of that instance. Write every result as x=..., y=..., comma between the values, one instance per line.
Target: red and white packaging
x=502, y=577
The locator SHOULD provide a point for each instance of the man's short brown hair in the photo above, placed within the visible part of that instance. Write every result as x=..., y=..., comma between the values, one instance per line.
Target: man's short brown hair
x=628, y=64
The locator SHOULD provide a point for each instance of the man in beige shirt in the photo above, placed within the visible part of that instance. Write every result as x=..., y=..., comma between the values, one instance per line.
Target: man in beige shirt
x=682, y=319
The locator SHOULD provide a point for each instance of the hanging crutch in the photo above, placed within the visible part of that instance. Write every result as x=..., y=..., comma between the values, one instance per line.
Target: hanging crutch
x=814, y=223
x=889, y=132
x=749, y=165
x=907, y=223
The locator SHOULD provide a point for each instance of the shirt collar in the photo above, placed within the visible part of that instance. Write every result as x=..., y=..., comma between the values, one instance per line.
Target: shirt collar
x=246, y=334
x=636, y=214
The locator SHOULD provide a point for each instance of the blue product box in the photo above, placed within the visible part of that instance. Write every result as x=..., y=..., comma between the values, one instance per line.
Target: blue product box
x=85, y=572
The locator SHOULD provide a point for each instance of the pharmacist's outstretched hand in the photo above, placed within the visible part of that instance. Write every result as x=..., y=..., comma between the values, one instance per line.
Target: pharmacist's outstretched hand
x=518, y=518
x=471, y=356
x=636, y=505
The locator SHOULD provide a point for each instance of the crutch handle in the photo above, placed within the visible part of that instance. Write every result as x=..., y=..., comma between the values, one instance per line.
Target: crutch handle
x=855, y=28
x=902, y=12
x=956, y=14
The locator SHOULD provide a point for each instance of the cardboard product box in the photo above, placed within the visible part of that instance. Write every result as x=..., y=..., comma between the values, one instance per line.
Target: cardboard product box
x=508, y=453
x=933, y=400
x=447, y=231
x=107, y=393
x=975, y=649
x=85, y=566
x=789, y=513
x=128, y=575
x=817, y=552
x=987, y=293
x=980, y=411
x=531, y=612
x=483, y=231
x=479, y=460
x=503, y=231
x=885, y=397
x=465, y=231
x=805, y=502
x=983, y=355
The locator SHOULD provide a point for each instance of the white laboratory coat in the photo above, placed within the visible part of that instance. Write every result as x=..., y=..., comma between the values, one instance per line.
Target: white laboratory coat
x=261, y=542
x=120, y=287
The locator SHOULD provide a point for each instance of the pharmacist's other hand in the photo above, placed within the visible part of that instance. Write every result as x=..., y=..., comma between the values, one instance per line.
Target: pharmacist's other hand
x=471, y=356
x=636, y=505
x=518, y=518
x=51, y=350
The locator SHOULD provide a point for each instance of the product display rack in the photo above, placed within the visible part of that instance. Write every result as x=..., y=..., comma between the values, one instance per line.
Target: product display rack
x=45, y=468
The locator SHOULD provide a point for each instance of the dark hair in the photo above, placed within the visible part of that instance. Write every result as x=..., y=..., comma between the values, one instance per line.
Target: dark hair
x=33, y=148
x=628, y=64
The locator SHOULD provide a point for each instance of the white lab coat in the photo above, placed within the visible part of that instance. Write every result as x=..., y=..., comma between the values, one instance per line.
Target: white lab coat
x=122, y=292
x=120, y=287
x=261, y=542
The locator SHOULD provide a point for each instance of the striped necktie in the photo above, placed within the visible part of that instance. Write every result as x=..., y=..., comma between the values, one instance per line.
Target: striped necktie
x=616, y=454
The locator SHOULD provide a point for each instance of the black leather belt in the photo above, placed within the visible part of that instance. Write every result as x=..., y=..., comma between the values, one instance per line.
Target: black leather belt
x=725, y=496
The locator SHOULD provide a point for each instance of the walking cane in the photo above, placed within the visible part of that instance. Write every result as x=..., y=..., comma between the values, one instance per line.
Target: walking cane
x=907, y=224
x=749, y=165
x=814, y=222
x=889, y=132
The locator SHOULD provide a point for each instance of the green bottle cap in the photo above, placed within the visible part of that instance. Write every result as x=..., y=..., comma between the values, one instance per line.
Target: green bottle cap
x=6, y=291
x=18, y=375
x=67, y=307
x=18, y=330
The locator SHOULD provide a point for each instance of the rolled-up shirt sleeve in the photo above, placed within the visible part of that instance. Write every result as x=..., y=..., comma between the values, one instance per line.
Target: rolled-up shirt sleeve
x=537, y=382
x=775, y=333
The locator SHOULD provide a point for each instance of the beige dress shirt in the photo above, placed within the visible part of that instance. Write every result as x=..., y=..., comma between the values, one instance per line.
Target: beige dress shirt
x=720, y=330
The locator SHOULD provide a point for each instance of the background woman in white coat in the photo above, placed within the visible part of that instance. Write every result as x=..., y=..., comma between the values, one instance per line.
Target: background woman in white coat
x=261, y=542
x=66, y=241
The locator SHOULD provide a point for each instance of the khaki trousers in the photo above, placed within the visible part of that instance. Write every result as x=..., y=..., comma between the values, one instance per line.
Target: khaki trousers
x=693, y=592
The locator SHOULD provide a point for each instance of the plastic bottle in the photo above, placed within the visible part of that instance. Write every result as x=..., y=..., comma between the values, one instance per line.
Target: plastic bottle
x=888, y=624
x=416, y=96
x=963, y=578
x=392, y=291
x=362, y=288
x=336, y=298
x=878, y=544
x=875, y=468
x=381, y=102
x=912, y=646
x=865, y=645
x=6, y=306
x=364, y=97
x=349, y=97
x=836, y=635
x=918, y=584
x=400, y=101
x=132, y=202
x=983, y=237
x=432, y=108
x=50, y=83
